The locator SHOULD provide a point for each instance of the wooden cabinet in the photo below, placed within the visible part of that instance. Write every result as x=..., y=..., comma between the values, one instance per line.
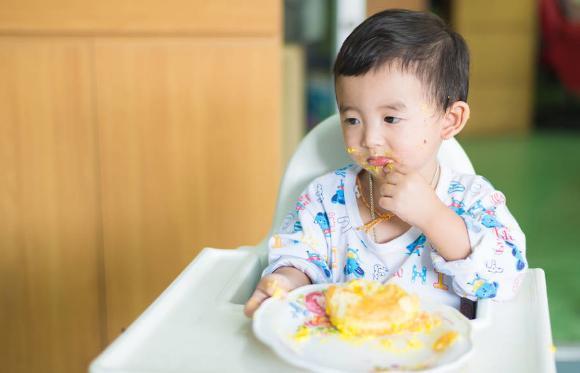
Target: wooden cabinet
x=50, y=241
x=502, y=40
x=131, y=135
x=190, y=156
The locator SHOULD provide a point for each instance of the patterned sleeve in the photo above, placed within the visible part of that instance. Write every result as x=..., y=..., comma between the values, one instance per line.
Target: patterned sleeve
x=302, y=240
x=497, y=262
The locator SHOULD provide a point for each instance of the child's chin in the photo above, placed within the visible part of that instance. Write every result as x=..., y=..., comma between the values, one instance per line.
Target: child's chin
x=376, y=171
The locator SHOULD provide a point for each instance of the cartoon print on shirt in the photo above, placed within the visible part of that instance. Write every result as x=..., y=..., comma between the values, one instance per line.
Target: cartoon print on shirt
x=316, y=259
x=503, y=234
x=476, y=209
x=488, y=219
x=520, y=263
x=338, y=197
x=457, y=206
x=499, y=247
x=498, y=198
x=344, y=222
x=297, y=227
x=331, y=215
x=439, y=284
x=422, y=274
x=334, y=258
x=303, y=201
x=322, y=220
x=483, y=288
x=280, y=242
x=287, y=222
x=476, y=188
x=277, y=244
x=380, y=272
x=352, y=266
x=319, y=193
x=400, y=272
x=342, y=171
x=417, y=245
x=492, y=267
x=455, y=187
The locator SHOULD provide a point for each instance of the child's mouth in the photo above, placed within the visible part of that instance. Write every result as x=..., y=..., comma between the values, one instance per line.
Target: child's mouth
x=379, y=161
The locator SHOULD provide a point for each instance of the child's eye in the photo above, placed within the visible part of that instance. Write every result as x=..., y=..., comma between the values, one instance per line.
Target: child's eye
x=392, y=120
x=351, y=121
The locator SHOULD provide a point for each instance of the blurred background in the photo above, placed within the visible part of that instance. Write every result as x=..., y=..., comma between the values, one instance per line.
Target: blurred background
x=135, y=133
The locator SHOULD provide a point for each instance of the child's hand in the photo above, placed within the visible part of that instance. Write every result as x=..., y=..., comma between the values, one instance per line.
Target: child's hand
x=277, y=284
x=409, y=196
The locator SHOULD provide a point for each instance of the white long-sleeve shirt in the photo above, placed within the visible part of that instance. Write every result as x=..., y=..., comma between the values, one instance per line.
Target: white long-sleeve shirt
x=320, y=237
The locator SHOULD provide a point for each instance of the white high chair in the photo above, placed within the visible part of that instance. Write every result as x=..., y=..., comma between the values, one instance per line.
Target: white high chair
x=197, y=324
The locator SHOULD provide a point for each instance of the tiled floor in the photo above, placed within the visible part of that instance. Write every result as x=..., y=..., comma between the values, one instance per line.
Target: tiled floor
x=540, y=175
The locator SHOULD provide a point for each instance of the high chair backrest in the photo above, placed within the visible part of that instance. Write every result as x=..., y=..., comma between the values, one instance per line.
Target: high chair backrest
x=322, y=150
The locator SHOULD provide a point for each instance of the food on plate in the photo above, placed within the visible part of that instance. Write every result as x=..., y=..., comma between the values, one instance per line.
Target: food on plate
x=369, y=308
x=445, y=341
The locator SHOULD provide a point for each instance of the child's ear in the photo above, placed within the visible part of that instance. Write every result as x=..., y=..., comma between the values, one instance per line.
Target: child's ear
x=454, y=119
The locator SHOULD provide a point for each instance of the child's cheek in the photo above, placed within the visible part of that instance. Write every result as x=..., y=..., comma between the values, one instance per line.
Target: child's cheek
x=355, y=153
x=358, y=156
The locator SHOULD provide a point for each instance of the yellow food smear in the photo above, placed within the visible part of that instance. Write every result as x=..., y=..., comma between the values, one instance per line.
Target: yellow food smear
x=375, y=169
x=446, y=340
x=278, y=293
x=412, y=344
x=351, y=150
x=386, y=344
x=424, y=323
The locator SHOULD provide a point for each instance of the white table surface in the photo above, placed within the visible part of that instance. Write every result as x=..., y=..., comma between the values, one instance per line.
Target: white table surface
x=197, y=325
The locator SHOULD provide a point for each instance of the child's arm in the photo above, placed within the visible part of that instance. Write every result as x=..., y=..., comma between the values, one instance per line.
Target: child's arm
x=482, y=248
x=447, y=232
x=283, y=280
x=496, y=259
x=298, y=253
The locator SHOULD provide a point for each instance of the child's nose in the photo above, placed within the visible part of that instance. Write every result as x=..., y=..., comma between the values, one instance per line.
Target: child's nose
x=373, y=137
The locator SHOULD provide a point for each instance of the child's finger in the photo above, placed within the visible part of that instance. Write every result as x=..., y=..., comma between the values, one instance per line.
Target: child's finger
x=387, y=190
x=394, y=177
x=387, y=203
x=389, y=167
x=274, y=288
x=254, y=302
x=398, y=167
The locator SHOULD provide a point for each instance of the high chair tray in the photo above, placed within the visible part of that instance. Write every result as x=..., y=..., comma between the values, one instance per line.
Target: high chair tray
x=197, y=325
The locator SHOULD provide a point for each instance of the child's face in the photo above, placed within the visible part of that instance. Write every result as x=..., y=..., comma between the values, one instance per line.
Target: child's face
x=386, y=117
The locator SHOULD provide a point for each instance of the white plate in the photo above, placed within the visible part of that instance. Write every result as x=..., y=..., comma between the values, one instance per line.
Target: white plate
x=277, y=320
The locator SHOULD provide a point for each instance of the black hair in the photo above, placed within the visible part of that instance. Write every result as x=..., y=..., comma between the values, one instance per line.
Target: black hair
x=419, y=42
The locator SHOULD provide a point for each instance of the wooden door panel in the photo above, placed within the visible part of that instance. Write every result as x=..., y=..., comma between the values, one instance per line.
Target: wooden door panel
x=49, y=233
x=190, y=156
